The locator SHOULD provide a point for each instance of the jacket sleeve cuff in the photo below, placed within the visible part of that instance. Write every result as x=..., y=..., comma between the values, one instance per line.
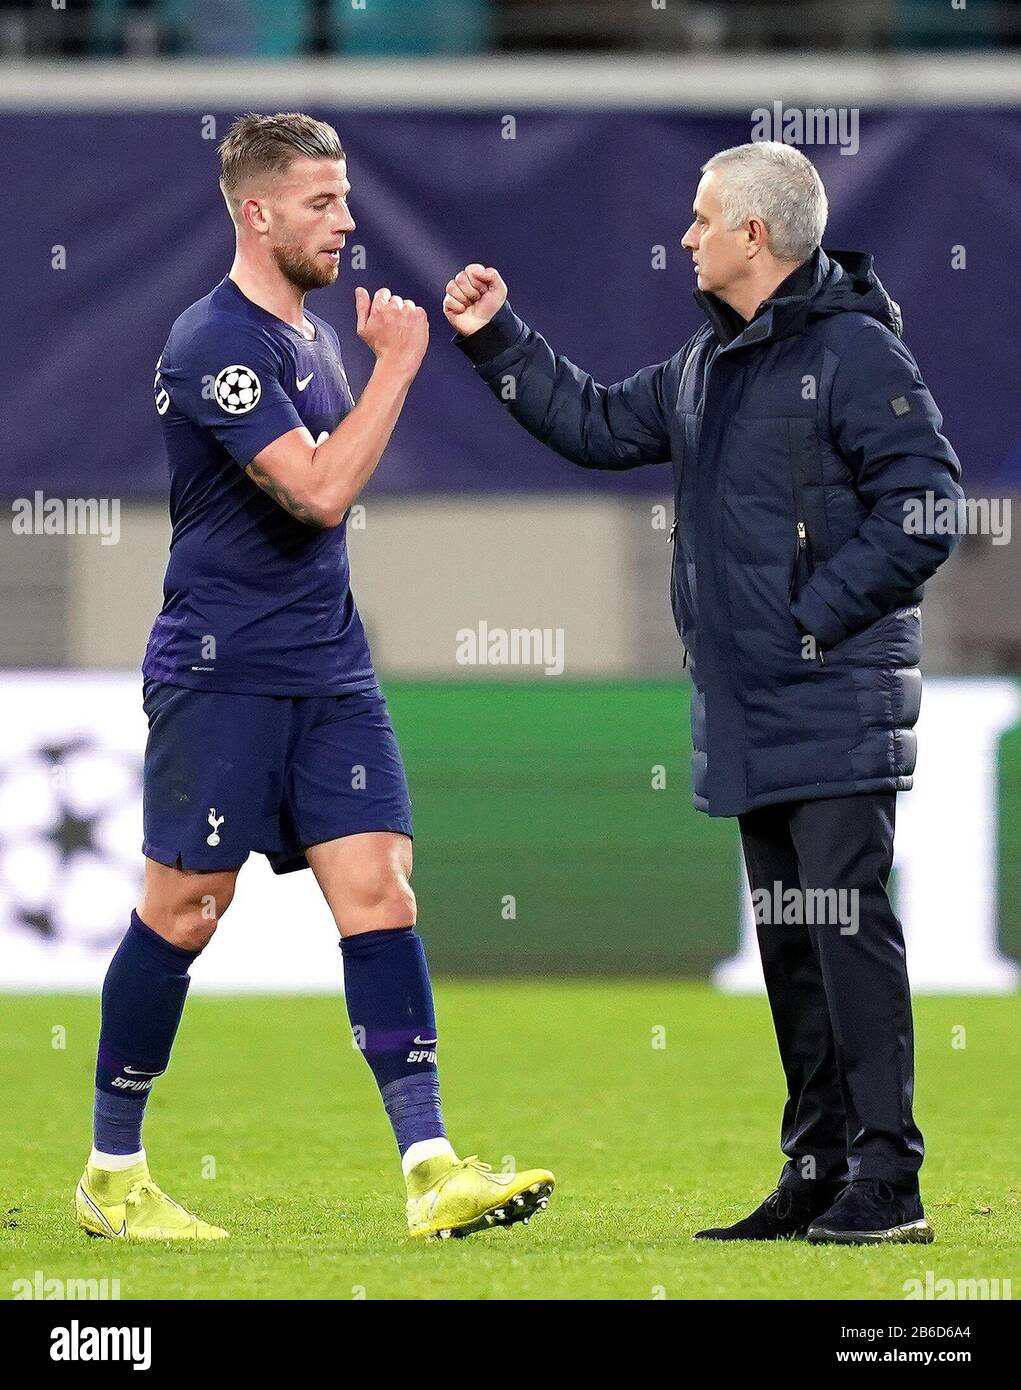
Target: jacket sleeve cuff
x=814, y=616
x=501, y=332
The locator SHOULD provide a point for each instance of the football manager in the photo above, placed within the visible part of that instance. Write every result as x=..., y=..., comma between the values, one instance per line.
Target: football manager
x=802, y=440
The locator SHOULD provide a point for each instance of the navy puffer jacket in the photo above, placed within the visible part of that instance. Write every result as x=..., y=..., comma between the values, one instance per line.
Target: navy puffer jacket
x=803, y=444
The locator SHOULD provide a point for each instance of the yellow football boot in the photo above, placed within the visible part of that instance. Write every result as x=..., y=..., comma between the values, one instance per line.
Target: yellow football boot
x=449, y=1196
x=127, y=1205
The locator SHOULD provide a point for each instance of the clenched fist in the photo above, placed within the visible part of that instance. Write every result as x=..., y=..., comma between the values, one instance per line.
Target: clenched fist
x=473, y=297
x=396, y=329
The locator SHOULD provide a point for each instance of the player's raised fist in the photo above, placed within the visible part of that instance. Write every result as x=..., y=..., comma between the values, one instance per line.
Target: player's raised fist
x=396, y=329
x=473, y=297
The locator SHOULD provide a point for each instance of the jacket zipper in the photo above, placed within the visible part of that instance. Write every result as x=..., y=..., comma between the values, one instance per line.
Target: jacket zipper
x=670, y=540
x=801, y=528
x=802, y=531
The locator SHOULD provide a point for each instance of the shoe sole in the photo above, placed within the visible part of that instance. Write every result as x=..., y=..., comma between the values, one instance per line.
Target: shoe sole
x=519, y=1208
x=911, y=1233
x=724, y=1239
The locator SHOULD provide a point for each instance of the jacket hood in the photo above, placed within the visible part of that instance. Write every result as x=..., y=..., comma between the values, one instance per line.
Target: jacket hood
x=852, y=284
x=841, y=282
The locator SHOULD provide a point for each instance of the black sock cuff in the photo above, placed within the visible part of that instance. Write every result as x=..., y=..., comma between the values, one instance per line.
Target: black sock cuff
x=367, y=943
x=171, y=957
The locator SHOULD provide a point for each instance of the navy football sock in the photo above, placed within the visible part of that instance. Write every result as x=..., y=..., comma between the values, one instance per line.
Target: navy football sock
x=390, y=1005
x=143, y=999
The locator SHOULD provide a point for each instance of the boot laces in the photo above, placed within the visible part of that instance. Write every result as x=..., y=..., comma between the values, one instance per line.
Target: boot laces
x=474, y=1163
x=139, y=1190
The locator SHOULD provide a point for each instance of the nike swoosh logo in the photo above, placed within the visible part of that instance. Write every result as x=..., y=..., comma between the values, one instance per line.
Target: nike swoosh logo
x=302, y=382
x=424, y=1042
x=124, y=1221
x=130, y=1071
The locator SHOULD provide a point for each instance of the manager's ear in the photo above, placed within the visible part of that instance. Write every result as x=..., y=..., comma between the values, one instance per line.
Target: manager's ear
x=756, y=236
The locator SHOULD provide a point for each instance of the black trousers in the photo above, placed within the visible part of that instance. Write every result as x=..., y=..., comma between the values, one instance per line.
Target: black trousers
x=838, y=993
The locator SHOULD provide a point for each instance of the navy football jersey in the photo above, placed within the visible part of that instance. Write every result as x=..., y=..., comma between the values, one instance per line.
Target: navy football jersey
x=254, y=601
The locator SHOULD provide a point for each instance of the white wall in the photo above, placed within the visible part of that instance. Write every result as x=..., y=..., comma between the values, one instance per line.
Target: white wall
x=422, y=569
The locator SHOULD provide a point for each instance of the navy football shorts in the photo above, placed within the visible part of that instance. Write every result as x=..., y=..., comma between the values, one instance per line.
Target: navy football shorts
x=228, y=774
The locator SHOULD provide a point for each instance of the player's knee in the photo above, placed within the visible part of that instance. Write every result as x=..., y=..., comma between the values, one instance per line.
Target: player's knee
x=190, y=920
x=201, y=916
x=191, y=926
x=402, y=908
x=191, y=934
x=396, y=904
x=385, y=895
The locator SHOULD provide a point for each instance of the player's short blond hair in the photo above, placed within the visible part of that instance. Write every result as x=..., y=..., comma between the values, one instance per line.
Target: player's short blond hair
x=268, y=144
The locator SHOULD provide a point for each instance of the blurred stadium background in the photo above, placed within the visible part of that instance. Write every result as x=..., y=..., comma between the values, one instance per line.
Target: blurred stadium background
x=561, y=141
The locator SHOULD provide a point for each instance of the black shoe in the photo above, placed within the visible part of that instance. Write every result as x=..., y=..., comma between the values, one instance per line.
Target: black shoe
x=871, y=1211
x=785, y=1215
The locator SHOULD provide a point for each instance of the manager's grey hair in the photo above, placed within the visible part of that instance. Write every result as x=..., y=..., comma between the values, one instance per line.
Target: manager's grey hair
x=775, y=182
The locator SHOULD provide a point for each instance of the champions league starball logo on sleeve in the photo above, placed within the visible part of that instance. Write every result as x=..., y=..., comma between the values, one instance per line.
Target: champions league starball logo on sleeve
x=237, y=390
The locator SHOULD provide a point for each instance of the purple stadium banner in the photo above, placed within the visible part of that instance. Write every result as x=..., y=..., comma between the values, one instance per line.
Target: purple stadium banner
x=571, y=211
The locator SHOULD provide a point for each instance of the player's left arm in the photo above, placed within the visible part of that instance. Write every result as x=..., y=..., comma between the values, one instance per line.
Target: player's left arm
x=277, y=485
x=229, y=380
x=887, y=428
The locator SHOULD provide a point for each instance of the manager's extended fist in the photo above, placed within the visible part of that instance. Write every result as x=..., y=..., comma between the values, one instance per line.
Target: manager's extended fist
x=473, y=297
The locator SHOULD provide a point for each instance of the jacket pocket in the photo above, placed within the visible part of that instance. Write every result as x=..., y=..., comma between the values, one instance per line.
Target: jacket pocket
x=802, y=565
x=811, y=525
x=675, y=604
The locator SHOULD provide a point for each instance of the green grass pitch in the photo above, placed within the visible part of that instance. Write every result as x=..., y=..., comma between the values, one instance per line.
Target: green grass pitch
x=648, y=1142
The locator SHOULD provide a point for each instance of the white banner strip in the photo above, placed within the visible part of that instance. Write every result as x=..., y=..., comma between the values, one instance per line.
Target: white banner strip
x=701, y=82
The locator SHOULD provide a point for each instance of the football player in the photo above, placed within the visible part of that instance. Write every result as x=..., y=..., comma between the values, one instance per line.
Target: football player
x=267, y=728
